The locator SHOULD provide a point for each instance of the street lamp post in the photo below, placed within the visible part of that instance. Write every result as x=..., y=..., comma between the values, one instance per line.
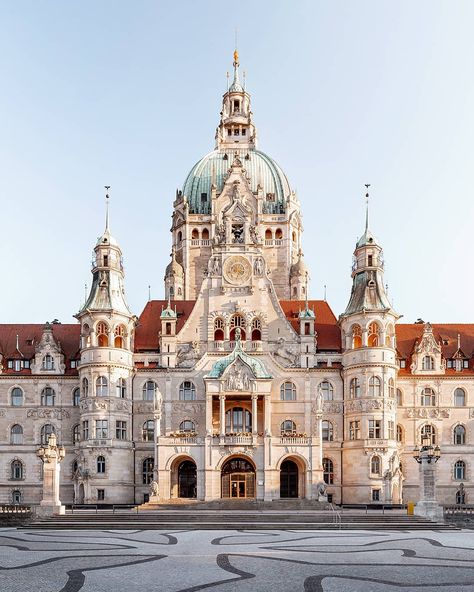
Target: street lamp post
x=427, y=456
x=51, y=455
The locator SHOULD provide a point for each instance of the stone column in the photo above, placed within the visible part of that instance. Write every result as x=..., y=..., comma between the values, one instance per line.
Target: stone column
x=428, y=507
x=268, y=415
x=51, y=455
x=209, y=415
x=254, y=414
x=154, y=485
x=222, y=414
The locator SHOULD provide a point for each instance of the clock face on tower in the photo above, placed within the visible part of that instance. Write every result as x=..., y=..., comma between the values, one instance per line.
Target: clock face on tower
x=237, y=270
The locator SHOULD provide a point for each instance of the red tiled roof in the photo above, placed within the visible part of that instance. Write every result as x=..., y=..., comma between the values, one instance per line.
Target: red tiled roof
x=28, y=338
x=447, y=334
x=329, y=333
x=149, y=323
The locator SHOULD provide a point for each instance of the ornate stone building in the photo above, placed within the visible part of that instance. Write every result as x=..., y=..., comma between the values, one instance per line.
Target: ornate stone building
x=236, y=385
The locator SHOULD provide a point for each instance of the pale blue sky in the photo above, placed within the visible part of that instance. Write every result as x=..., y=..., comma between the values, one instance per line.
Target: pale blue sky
x=128, y=94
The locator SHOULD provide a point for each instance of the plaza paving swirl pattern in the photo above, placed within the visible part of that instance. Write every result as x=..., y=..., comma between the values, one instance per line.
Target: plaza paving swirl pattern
x=189, y=561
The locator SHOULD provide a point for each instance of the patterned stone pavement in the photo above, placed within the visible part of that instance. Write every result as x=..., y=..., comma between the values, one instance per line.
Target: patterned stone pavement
x=188, y=561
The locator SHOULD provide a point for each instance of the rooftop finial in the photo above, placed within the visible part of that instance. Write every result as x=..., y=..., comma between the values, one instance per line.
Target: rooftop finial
x=306, y=291
x=107, y=197
x=367, y=185
x=149, y=292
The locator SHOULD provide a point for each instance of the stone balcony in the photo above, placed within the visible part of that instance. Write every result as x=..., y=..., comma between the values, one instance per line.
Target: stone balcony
x=227, y=346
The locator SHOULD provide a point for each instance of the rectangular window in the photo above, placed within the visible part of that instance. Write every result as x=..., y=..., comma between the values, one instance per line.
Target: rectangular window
x=26, y=363
x=375, y=495
x=449, y=364
x=101, y=428
x=374, y=428
x=403, y=363
x=121, y=430
x=17, y=365
x=100, y=495
x=370, y=262
x=10, y=364
x=391, y=430
x=85, y=429
x=203, y=197
x=244, y=132
x=465, y=364
x=236, y=132
x=229, y=131
x=354, y=430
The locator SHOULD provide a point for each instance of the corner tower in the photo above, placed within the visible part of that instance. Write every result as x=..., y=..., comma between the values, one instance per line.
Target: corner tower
x=105, y=373
x=370, y=450
x=236, y=196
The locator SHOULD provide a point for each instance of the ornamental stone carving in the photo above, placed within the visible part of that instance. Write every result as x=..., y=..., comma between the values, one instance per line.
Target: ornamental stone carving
x=187, y=354
x=195, y=408
x=285, y=354
x=427, y=413
x=332, y=407
x=237, y=378
x=237, y=270
x=49, y=413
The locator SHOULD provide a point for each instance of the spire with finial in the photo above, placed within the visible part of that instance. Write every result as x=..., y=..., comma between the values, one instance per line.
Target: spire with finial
x=236, y=86
x=107, y=197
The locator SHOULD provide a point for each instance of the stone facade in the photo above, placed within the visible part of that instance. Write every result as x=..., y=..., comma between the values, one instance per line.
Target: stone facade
x=236, y=385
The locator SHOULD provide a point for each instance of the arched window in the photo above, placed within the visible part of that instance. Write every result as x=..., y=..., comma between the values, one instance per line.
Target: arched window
x=399, y=397
x=121, y=388
x=391, y=388
x=288, y=427
x=187, y=391
x=219, y=329
x=179, y=238
x=459, y=435
x=375, y=386
x=238, y=420
x=48, y=362
x=278, y=234
x=268, y=234
x=356, y=337
x=195, y=234
x=237, y=320
x=47, y=397
x=76, y=395
x=85, y=387
x=328, y=471
x=326, y=390
x=148, y=431
x=399, y=433
x=427, y=363
x=354, y=389
x=256, y=330
x=46, y=432
x=428, y=397
x=459, y=470
x=16, y=434
x=288, y=391
x=375, y=465
x=373, y=338
x=17, y=470
x=16, y=497
x=147, y=471
x=75, y=434
x=327, y=432
x=459, y=397
x=205, y=234
x=101, y=464
x=149, y=390
x=119, y=336
x=429, y=432
x=102, y=386
x=102, y=332
x=17, y=397
x=187, y=426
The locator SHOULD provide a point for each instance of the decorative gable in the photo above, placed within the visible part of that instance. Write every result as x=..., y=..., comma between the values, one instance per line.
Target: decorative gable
x=427, y=356
x=49, y=358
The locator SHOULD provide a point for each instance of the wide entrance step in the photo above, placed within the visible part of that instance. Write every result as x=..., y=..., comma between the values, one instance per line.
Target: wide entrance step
x=236, y=520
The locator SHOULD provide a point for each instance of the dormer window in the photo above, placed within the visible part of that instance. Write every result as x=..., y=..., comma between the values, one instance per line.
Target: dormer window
x=48, y=362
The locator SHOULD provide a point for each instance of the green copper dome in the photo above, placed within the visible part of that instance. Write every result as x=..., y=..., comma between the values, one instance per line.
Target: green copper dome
x=259, y=167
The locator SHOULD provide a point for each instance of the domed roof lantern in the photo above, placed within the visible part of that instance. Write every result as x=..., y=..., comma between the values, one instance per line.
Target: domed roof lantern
x=236, y=86
x=299, y=268
x=174, y=268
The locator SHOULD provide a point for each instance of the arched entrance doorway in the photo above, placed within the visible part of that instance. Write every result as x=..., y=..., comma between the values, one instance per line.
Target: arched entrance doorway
x=238, y=479
x=187, y=479
x=288, y=479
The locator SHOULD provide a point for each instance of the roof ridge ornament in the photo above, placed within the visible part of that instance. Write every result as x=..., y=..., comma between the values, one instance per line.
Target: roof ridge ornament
x=367, y=185
x=107, y=197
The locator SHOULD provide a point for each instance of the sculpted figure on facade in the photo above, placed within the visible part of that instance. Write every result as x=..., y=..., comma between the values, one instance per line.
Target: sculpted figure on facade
x=285, y=354
x=187, y=354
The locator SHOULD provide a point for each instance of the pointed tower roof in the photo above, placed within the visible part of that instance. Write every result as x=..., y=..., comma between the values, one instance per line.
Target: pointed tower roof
x=367, y=238
x=236, y=86
x=106, y=237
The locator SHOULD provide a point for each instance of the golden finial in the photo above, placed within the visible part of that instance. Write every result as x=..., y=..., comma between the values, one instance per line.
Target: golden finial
x=236, y=57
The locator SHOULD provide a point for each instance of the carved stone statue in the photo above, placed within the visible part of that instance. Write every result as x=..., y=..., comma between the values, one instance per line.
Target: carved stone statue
x=187, y=354
x=284, y=353
x=322, y=491
x=258, y=267
x=220, y=233
x=154, y=489
x=255, y=236
x=215, y=266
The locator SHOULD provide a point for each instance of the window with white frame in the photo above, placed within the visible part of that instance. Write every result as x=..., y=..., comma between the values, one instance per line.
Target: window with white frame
x=17, y=471
x=354, y=430
x=48, y=362
x=376, y=465
x=148, y=431
x=76, y=395
x=427, y=363
x=46, y=432
x=375, y=386
x=327, y=431
x=17, y=397
x=326, y=390
x=102, y=386
x=428, y=431
x=16, y=434
x=459, y=470
x=459, y=435
x=428, y=397
x=375, y=429
x=459, y=397
x=101, y=428
x=354, y=388
x=288, y=391
x=187, y=391
x=120, y=429
x=328, y=471
x=101, y=464
x=47, y=397
x=121, y=388
x=149, y=390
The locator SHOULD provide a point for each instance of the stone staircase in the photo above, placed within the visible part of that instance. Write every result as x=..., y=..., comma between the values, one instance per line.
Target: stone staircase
x=237, y=518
